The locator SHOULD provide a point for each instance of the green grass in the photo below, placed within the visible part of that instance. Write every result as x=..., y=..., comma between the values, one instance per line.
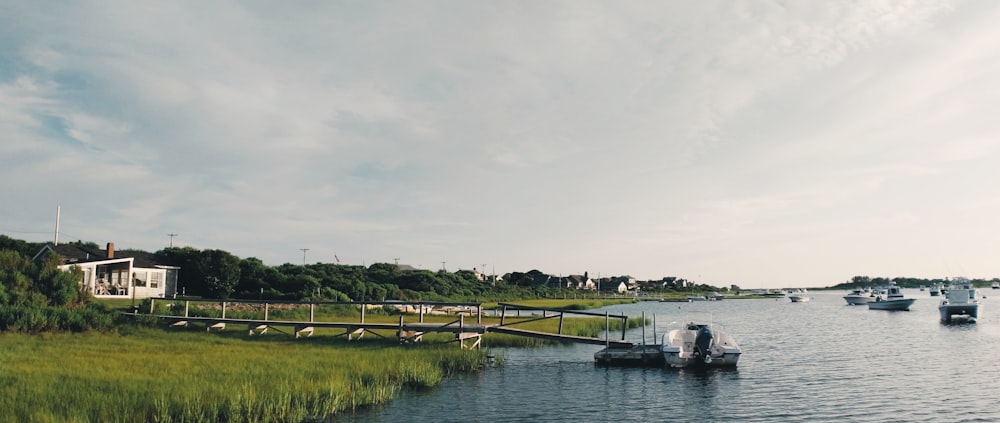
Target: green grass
x=191, y=376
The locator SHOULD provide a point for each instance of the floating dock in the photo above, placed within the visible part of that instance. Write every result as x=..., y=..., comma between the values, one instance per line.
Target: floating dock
x=637, y=356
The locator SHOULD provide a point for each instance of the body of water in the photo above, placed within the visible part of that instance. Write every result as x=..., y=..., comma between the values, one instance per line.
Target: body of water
x=817, y=361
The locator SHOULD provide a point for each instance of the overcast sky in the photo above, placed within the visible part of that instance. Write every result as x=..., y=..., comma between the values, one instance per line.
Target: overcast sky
x=760, y=143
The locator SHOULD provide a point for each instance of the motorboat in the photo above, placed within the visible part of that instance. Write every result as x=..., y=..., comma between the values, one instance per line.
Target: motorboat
x=700, y=344
x=936, y=289
x=859, y=297
x=961, y=301
x=996, y=285
x=892, y=300
x=799, y=298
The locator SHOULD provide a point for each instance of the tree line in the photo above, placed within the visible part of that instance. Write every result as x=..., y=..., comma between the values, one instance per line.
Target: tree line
x=217, y=273
x=857, y=282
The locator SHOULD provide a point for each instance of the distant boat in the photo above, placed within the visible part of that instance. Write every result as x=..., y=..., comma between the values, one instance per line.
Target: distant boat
x=893, y=300
x=961, y=301
x=859, y=297
x=996, y=285
x=936, y=289
x=798, y=296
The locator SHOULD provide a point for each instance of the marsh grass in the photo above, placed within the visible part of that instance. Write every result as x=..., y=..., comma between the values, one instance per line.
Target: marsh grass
x=568, y=304
x=191, y=376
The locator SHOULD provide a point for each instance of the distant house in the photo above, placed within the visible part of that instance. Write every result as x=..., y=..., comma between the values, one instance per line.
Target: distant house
x=609, y=284
x=127, y=274
x=579, y=282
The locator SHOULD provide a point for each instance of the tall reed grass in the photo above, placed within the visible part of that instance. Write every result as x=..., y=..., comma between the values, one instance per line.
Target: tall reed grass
x=190, y=376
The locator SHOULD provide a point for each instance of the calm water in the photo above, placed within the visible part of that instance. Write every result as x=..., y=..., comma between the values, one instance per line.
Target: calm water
x=815, y=361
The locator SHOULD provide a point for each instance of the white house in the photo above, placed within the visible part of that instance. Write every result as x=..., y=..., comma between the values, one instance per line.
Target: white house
x=128, y=274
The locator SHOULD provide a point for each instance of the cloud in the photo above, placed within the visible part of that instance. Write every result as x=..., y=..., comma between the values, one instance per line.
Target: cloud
x=643, y=138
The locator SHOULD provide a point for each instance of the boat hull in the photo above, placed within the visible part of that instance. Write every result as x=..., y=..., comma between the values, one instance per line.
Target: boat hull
x=902, y=304
x=858, y=300
x=966, y=312
x=677, y=359
x=798, y=298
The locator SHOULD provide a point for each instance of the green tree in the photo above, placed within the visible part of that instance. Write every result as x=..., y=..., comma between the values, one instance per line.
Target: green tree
x=221, y=271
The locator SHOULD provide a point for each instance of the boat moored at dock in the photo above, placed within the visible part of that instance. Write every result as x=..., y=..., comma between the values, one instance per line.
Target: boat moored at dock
x=700, y=344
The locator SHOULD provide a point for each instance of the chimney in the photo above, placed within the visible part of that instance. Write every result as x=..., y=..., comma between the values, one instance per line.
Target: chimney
x=111, y=250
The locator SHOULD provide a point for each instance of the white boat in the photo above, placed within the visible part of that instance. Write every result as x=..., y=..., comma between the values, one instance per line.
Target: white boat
x=859, y=297
x=799, y=298
x=700, y=344
x=935, y=290
x=961, y=301
x=996, y=285
x=893, y=300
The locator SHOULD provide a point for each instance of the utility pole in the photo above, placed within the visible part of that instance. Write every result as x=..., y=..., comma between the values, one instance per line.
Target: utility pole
x=304, y=255
x=396, y=260
x=171, y=239
x=442, y=266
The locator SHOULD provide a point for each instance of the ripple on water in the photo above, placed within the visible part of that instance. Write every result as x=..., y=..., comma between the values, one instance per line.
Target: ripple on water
x=817, y=361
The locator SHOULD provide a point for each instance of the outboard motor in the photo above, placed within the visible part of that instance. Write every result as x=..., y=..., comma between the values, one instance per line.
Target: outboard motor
x=703, y=341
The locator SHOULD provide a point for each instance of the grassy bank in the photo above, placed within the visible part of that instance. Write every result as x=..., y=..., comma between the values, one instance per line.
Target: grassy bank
x=568, y=304
x=188, y=376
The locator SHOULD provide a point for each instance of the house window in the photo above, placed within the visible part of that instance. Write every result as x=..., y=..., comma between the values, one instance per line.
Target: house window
x=139, y=278
x=154, y=279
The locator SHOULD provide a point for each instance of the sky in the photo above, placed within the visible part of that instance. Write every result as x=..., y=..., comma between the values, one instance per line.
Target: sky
x=760, y=143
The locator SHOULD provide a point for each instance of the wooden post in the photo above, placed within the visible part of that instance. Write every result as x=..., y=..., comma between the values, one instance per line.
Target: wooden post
x=561, y=315
x=186, y=304
x=312, y=311
x=503, y=313
x=644, y=328
x=266, y=309
x=363, y=307
x=479, y=314
x=223, y=309
x=150, y=305
x=607, y=330
x=654, y=328
x=421, y=313
x=624, y=326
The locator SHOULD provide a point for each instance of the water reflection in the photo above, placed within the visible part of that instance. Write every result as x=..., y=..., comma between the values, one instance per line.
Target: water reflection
x=816, y=361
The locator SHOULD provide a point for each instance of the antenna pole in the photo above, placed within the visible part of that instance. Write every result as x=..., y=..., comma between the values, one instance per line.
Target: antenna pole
x=171, y=239
x=304, y=255
x=56, y=240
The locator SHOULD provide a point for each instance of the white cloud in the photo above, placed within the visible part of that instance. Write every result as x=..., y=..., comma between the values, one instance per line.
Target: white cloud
x=644, y=138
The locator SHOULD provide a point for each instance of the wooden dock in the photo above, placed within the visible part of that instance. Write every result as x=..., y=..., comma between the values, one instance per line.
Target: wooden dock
x=406, y=332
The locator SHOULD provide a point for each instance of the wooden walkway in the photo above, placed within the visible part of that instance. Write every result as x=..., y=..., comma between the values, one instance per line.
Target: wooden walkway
x=406, y=332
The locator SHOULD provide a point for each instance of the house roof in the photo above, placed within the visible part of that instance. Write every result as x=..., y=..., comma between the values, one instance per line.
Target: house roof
x=78, y=253
x=72, y=253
